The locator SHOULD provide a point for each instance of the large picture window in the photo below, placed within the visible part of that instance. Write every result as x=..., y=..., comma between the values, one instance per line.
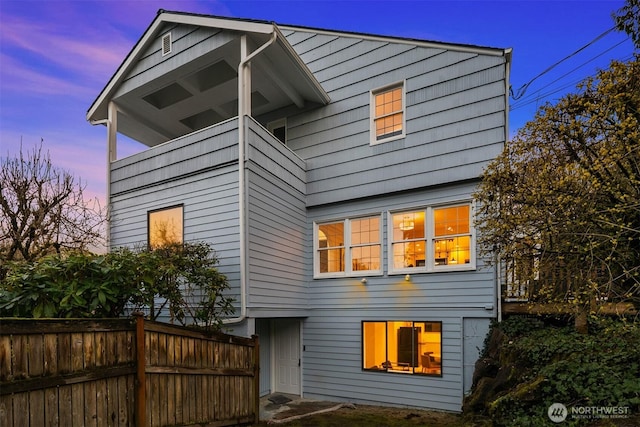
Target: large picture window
x=432, y=239
x=403, y=347
x=165, y=227
x=350, y=246
x=387, y=113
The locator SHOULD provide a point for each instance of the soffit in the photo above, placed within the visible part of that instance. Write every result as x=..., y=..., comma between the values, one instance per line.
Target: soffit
x=204, y=90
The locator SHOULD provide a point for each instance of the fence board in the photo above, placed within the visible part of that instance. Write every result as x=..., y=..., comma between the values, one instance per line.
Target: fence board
x=50, y=342
x=51, y=411
x=83, y=373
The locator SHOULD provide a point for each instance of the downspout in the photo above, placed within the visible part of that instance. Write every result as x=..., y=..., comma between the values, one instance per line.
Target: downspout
x=241, y=172
x=498, y=266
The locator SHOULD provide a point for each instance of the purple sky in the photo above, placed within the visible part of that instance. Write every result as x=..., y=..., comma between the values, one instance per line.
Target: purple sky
x=56, y=56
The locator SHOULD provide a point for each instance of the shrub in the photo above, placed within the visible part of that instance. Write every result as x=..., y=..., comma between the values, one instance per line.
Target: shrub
x=557, y=364
x=181, y=278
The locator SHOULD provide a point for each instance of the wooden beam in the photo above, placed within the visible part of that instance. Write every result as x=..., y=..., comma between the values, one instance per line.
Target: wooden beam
x=141, y=404
x=608, y=309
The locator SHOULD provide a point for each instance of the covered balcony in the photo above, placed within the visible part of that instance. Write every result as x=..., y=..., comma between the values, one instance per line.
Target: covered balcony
x=190, y=72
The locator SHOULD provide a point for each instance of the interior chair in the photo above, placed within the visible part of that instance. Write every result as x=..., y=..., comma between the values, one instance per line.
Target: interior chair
x=429, y=364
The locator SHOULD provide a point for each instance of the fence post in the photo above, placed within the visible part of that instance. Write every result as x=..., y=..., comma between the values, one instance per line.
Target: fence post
x=141, y=404
x=256, y=376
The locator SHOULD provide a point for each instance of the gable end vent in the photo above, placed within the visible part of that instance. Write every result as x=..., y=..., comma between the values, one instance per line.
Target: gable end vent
x=166, y=44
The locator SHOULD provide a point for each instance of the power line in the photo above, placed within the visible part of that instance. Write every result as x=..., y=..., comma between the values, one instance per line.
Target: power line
x=521, y=91
x=534, y=97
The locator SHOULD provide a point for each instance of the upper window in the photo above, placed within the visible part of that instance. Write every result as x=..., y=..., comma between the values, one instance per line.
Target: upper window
x=279, y=129
x=387, y=114
x=432, y=239
x=402, y=347
x=348, y=247
x=165, y=227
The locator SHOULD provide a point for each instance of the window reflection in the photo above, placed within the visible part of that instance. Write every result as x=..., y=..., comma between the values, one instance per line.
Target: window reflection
x=165, y=227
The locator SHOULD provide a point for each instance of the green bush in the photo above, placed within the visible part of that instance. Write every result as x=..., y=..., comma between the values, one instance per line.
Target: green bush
x=557, y=364
x=182, y=279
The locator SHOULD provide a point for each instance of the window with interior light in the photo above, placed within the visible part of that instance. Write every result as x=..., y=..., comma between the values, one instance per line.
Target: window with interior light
x=348, y=247
x=387, y=113
x=432, y=239
x=402, y=347
x=165, y=226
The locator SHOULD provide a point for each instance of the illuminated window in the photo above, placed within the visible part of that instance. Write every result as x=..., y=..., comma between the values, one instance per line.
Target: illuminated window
x=331, y=247
x=431, y=239
x=165, y=227
x=408, y=247
x=348, y=247
x=452, y=238
x=387, y=114
x=403, y=347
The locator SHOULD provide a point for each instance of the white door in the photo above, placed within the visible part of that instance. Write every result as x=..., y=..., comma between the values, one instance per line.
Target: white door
x=287, y=356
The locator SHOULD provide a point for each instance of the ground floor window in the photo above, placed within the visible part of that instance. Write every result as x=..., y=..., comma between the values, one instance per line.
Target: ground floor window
x=404, y=347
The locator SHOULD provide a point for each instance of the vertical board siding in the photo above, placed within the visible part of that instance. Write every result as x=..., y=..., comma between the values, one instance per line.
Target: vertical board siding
x=449, y=94
x=277, y=222
x=82, y=373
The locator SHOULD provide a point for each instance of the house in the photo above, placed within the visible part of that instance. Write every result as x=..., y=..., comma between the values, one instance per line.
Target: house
x=346, y=228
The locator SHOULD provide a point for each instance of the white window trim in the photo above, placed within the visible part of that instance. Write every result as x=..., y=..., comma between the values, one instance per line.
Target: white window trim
x=348, y=267
x=372, y=113
x=429, y=238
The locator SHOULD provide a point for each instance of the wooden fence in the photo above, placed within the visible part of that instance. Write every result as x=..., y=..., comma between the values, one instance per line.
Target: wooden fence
x=124, y=372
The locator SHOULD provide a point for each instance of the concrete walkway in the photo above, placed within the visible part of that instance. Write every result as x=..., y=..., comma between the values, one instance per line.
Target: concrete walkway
x=281, y=402
x=293, y=407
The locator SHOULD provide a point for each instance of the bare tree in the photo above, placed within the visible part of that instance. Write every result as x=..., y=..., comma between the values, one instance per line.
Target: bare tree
x=43, y=210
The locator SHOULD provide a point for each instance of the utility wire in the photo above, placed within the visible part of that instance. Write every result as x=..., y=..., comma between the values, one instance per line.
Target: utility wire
x=521, y=91
x=534, y=97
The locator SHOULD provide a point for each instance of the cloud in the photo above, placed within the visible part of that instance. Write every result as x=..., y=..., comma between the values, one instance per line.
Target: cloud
x=84, y=53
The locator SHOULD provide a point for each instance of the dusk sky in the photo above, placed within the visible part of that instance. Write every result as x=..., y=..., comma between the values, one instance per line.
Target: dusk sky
x=56, y=56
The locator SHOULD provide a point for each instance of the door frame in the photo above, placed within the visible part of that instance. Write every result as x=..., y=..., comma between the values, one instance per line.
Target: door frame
x=274, y=352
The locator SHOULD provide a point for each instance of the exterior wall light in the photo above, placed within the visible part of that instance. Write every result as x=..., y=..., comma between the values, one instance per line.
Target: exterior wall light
x=363, y=280
x=407, y=277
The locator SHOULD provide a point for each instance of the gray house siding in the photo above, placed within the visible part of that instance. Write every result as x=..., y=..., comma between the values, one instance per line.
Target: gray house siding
x=455, y=116
x=199, y=172
x=277, y=221
x=188, y=42
x=333, y=335
x=455, y=124
x=333, y=361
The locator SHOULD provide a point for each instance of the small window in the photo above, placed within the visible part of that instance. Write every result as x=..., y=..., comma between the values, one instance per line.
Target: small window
x=402, y=347
x=387, y=114
x=165, y=227
x=279, y=129
x=348, y=247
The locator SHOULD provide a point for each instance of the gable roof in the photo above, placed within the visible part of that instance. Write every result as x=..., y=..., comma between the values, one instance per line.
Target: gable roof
x=285, y=58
